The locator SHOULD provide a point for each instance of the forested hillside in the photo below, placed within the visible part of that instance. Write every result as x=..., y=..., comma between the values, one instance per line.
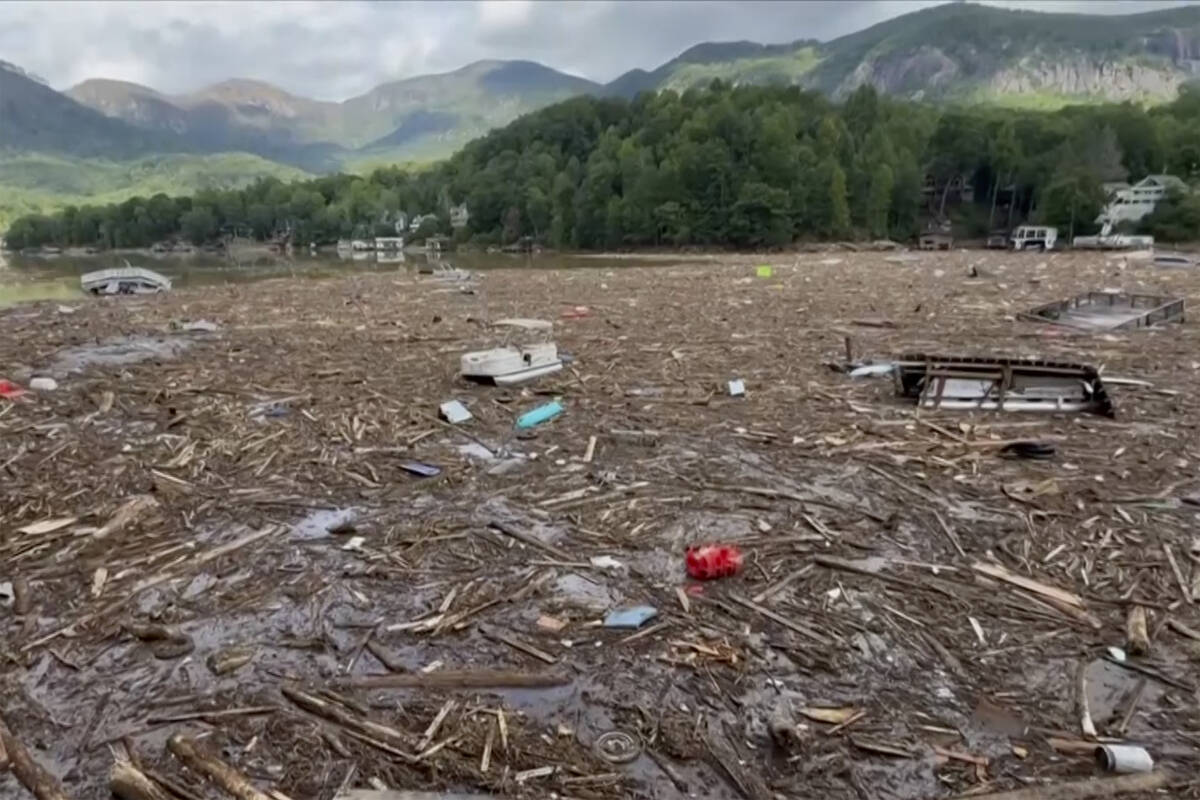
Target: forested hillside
x=744, y=167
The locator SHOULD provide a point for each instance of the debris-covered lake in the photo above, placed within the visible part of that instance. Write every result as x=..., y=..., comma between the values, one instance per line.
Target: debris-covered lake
x=249, y=559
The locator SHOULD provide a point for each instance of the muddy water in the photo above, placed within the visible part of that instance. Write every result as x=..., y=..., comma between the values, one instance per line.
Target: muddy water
x=31, y=278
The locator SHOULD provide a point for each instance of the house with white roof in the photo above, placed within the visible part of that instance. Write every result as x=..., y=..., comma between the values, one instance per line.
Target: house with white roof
x=1130, y=203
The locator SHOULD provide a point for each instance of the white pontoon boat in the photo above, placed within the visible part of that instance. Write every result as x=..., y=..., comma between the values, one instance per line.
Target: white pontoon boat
x=513, y=364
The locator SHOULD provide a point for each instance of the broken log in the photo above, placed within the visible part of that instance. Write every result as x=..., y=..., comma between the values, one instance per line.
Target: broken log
x=460, y=679
x=1136, y=636
x=129, y=783
x=218, y=772
x=32, y=775
x=1085, y=790
x=381, y=736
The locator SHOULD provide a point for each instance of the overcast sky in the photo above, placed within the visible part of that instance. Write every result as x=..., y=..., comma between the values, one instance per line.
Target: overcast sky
x=335, y=50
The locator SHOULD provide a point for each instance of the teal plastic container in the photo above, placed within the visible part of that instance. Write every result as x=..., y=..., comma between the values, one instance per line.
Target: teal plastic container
x=539, y=415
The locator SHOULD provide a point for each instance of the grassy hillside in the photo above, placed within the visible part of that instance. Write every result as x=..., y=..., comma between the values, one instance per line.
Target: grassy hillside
x=786, y=69
x=39, y=183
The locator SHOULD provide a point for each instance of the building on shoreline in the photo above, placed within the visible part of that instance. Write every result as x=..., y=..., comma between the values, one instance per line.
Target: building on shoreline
x=1131, y=203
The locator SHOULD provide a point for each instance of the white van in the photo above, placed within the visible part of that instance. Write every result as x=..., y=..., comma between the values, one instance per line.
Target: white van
x=1029, y=237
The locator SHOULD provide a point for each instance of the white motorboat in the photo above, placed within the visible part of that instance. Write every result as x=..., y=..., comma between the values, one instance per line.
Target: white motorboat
x=508, y=366
x=513, y=364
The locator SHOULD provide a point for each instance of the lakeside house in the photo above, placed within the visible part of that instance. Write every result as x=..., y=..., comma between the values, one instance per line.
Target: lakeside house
x=389, y=243
x=459, y=216
x=1128, y=203
x=415, y=224
x=955, y=190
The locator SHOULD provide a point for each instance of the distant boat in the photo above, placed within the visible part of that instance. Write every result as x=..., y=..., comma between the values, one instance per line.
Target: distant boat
x=1175, y=260
x=125, y=280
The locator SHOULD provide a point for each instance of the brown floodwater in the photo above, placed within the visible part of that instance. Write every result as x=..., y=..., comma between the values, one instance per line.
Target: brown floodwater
x=26, y=279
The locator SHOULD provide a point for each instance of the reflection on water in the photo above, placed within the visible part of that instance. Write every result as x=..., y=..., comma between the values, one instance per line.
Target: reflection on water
x=25, y=278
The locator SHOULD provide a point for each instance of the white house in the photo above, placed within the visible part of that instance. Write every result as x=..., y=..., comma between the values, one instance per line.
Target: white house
x=415, y=224
x=459, y=216
x=1131, y=203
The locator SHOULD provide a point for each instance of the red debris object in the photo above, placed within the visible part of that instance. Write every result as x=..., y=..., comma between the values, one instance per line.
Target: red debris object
x=713, y=561
x=9, y=390
x=577, y=312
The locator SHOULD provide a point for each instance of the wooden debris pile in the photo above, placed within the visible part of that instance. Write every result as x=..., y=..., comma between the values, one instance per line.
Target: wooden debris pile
x=261, y=565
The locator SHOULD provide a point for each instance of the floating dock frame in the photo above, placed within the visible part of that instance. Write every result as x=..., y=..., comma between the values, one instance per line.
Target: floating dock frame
x=1001, y=384
x=1108, y=311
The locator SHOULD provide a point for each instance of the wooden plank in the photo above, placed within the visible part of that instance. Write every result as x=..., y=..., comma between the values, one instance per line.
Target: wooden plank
x=1028, y=584
x=460, y=679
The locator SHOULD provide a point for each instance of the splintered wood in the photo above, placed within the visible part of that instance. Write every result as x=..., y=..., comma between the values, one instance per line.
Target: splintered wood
x=254, y=562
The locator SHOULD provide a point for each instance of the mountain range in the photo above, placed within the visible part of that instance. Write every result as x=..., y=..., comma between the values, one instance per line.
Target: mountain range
x=951, y=53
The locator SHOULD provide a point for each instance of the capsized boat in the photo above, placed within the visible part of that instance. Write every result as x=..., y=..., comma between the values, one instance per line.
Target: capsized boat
x=514, y=364
x=125, y=280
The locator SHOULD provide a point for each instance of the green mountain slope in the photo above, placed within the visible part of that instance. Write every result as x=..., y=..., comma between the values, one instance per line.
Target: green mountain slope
x=39, y=183
x=957, y=51
x=965, y=52
x=740, y=62
x=432, y=114
x=34, y=116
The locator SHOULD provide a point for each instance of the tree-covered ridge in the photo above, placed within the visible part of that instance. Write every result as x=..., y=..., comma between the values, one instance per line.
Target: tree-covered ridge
x=744, y=167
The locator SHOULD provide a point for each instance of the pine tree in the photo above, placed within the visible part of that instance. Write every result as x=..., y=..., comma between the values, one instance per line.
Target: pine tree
x=879, y=201
x=839, y=208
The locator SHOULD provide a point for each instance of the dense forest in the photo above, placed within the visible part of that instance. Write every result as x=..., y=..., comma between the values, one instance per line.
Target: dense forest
x=722, y=166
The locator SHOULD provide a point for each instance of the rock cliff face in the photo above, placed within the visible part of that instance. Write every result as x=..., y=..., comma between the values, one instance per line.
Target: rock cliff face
x=927, y=71
x=1182, y=46
x=1089, y=77
x=1150, y=67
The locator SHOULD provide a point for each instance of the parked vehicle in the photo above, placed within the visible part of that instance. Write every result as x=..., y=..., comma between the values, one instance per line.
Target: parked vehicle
x=1034, y=237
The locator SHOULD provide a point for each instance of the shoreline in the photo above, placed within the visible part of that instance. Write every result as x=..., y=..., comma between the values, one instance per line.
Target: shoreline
x=651, y=254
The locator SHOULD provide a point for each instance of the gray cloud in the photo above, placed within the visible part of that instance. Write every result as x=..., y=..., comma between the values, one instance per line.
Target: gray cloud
x=334, y=50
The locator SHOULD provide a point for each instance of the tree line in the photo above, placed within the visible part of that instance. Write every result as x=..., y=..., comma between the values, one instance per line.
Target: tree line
x=720, y=166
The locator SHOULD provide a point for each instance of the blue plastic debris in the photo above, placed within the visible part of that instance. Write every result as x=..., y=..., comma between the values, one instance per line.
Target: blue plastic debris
x=540, y=415
x=424, y=470
x=633, y=617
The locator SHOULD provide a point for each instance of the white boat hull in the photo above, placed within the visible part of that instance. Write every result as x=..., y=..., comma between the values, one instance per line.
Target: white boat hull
x=514, y=378
x=508, y=366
